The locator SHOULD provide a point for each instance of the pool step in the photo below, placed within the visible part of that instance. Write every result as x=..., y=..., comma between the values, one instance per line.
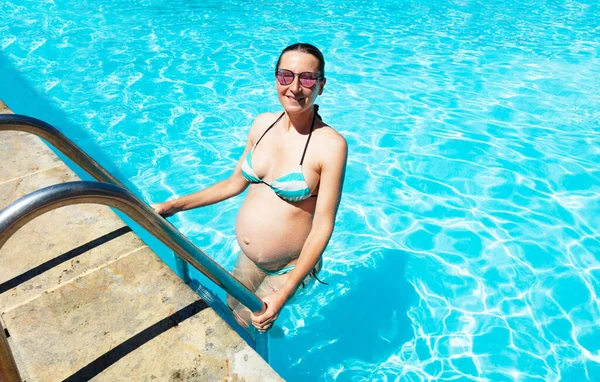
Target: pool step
x=82, y=297
x=132, y=319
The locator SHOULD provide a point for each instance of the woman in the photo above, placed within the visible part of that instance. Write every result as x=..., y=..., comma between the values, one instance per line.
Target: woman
x=294, y=164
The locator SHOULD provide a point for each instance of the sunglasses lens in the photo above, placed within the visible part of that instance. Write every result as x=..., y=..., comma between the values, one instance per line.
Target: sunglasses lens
x=285, y=77
x=307, y=79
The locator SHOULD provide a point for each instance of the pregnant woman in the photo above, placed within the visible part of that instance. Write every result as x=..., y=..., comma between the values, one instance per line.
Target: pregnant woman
x=294, y=166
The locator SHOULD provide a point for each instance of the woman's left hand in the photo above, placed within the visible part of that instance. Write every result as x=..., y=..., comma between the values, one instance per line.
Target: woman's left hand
x=275, y=302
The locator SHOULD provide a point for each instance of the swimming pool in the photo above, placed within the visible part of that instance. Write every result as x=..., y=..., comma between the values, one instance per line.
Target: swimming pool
x=467, y=244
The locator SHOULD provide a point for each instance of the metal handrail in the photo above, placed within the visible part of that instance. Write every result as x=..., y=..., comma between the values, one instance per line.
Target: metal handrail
x=19, y=213
x=114, y=194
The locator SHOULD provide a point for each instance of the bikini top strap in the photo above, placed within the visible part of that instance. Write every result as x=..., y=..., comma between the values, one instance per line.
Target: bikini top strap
x=269, y=128
x=310, y=134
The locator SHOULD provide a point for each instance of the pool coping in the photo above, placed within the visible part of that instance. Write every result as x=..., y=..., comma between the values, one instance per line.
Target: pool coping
x=45, y=302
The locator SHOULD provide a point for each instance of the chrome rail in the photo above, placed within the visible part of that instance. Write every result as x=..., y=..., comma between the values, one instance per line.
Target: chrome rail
x=113, y=194
x=19, y=213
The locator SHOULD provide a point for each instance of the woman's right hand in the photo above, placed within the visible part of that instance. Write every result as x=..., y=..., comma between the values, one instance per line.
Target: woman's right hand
x=165, y=209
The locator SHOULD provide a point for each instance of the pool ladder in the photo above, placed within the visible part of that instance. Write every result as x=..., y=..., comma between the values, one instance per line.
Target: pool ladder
x=109, y=191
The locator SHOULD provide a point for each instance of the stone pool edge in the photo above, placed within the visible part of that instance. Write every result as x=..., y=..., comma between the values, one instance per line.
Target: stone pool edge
x=33, y=307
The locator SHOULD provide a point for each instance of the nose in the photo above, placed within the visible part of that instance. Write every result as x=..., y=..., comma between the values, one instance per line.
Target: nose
x=295, y=85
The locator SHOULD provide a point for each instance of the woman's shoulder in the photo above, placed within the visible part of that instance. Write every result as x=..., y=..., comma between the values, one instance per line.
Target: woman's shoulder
x=265, y=119
x=331, y=143
x=262, y=122
x=330, y=136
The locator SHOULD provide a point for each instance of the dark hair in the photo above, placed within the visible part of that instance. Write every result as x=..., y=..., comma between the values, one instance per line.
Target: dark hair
x=305, y=48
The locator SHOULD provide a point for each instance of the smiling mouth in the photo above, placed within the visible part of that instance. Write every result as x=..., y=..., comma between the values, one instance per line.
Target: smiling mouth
x=295, y=99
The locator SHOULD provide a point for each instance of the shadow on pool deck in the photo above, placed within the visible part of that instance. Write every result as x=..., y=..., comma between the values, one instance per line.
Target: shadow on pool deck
x=116, y=353
x=69, y=255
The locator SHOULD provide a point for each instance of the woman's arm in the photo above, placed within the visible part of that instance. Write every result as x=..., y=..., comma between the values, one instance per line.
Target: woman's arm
x=225, y=189
x=330, y=191
x=218, y=192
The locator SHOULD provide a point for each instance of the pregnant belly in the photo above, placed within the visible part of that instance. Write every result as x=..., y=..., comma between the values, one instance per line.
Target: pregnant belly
x=270, y=231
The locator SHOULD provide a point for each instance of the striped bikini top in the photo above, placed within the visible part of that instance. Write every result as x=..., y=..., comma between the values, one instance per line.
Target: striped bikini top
x=291, y=187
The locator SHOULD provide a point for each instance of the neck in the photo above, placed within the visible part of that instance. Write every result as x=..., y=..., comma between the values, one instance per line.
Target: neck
x=301, y=122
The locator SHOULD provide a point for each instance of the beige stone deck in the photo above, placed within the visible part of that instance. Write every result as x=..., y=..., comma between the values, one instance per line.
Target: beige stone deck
x=83, y=297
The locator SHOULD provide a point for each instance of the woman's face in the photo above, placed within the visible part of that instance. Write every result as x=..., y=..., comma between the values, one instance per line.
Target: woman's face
x=294, y=97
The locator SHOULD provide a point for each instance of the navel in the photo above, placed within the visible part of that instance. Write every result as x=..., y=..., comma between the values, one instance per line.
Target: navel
x=246, y=240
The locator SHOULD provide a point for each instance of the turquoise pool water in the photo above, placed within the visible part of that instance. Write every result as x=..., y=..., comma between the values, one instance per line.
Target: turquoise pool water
x=468, y=238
